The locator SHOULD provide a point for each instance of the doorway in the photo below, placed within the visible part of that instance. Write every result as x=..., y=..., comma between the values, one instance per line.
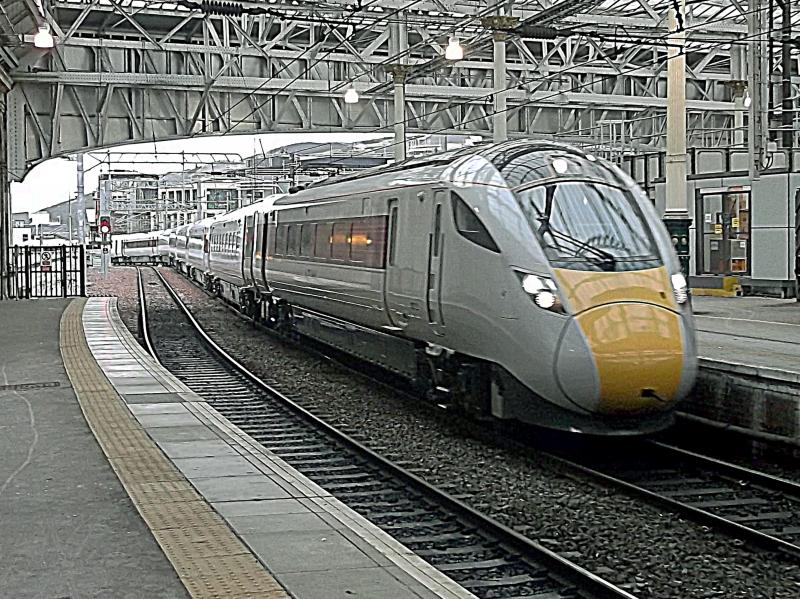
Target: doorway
x=723, y=240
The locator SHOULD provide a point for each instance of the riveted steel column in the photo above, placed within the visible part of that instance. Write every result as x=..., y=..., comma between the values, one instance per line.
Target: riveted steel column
x=399, y=116
x=676, y=216
x=81, y=203
x=398, y=73
x=5, y=207
x=500, y=25
x=797, y=243
x=787, y=103
x=499, y=118
x=758, y=80
x=738, y=91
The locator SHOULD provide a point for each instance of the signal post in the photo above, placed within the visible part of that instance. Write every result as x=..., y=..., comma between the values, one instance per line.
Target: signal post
x=104, y=228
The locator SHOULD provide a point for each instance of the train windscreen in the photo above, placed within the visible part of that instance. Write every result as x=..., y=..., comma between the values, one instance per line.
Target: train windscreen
x=589, y=226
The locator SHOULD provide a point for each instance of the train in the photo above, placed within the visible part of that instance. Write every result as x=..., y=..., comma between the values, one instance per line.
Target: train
x=524, y=281
x=137, y=248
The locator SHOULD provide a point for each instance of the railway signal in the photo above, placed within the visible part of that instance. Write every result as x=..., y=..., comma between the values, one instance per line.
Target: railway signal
x=105, y=225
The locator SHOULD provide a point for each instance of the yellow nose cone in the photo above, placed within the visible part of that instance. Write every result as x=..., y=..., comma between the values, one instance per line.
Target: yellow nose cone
x=638, y=352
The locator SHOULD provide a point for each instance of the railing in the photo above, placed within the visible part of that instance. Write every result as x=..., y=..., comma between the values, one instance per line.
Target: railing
x=47, y=271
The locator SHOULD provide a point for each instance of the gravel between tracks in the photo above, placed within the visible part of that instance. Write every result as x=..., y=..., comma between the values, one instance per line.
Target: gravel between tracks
x=654, y=554
x=120, y=281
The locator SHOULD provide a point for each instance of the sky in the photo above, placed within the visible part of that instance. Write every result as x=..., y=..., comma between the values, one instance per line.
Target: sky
x=56, y=180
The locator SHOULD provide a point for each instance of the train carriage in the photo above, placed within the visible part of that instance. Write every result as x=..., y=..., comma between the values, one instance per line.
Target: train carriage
x=135, y=248
x=181, y=242
x=162, y=246
x=197, y=250
x=526, y=280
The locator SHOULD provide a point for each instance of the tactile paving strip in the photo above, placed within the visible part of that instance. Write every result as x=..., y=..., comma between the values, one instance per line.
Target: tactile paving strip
x=210, y=560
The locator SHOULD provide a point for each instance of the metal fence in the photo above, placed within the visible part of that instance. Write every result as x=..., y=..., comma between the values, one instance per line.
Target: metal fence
x=41, y=271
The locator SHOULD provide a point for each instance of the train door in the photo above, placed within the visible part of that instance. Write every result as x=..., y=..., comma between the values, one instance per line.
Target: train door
x=433, y=293
x=270, y=232
x=406, y=282
x=247, y=253
x=206, y=249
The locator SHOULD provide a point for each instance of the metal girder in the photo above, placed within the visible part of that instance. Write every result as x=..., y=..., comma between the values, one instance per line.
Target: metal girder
x=132, y=70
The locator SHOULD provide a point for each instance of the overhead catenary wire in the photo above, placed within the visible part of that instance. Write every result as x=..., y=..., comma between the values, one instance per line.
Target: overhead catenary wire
x=554, y=95
x=341, y=43
x=661, y=41
x=394, y=57
x=260, y=105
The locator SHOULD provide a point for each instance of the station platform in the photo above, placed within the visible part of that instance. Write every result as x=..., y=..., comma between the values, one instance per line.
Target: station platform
x=752, y=331
x=119, y=481
x=749, y=378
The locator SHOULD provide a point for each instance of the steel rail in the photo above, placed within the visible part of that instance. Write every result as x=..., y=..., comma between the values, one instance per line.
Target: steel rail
x=739, y=431
x=143, y=321
x=730, y=527
x=745, y=336
x=763, y=481
x=785, y=486
x=529, y=549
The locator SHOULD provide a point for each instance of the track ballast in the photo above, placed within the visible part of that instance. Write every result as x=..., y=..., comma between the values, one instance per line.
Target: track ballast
x=485, y=557
x=754, y=506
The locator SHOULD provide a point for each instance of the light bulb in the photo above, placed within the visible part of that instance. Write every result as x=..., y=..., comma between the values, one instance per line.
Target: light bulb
x=351, y=95
x=43, y=39
x=454, y=50
x=560, y=166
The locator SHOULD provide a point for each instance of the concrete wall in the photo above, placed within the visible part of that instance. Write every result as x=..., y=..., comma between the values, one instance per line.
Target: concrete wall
x=758, y=400
x=772, y=219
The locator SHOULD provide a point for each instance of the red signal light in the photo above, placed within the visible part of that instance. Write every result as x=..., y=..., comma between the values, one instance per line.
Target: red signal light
x=105, y=225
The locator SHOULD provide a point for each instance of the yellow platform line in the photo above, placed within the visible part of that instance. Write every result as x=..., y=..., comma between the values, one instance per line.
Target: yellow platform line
x=211, y=561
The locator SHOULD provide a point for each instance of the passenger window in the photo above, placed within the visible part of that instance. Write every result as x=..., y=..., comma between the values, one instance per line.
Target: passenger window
x=368, y=241
x=437, y=230
x=393, y=236
x=280, y=240
x=469, y=226
x=271, y=235
x=293, y=248
x=322, y=246
x=307, y=240
x=340, y=249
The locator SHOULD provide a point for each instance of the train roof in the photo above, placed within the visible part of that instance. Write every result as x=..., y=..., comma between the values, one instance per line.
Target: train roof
x=134, y=236
x=245, y=211
x=518, y=163
x=447, y=158
x=203, y=222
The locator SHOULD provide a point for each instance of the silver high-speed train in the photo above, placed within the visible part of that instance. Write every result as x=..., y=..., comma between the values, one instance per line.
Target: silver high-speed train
x=525, y=280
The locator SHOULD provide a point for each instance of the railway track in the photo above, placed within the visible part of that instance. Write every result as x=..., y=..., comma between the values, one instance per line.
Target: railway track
x=487, y=558
x=754, y=506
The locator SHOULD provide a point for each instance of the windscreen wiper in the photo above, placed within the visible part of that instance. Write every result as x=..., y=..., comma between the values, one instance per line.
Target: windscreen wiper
x=545, y=227
x=604, y=256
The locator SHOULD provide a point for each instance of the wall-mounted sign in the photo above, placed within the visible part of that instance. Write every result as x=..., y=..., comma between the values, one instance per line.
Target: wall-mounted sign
x=717, y=228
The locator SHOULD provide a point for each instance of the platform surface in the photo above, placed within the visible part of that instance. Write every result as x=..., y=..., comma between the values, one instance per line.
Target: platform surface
x=67, y=526
x=314, y=545
x=762, y=333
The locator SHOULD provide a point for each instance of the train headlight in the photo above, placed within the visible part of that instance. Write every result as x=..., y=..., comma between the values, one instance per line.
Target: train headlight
x=680, y=287
x=543, y=292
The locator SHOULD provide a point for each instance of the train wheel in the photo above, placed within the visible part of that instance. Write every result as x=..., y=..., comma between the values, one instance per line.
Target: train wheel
x=450, y=380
